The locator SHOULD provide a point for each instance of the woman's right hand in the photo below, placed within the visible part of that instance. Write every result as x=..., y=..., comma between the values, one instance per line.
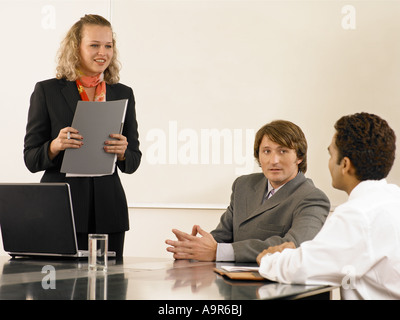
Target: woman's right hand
x=67, y=138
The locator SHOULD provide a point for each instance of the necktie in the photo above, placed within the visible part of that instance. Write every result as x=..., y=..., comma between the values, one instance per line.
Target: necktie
x=271, y=193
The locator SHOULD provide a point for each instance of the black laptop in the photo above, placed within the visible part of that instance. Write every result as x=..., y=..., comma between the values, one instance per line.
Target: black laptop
x=37, y=219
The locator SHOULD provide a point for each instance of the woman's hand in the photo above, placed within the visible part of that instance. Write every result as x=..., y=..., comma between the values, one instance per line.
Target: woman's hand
x=67, y=138
x=117, y=146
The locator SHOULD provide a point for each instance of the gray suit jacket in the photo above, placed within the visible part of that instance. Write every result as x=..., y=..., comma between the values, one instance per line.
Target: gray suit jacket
x=295, y=213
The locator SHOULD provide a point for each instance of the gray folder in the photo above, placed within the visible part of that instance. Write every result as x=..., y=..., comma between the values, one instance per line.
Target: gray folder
x=95, y=121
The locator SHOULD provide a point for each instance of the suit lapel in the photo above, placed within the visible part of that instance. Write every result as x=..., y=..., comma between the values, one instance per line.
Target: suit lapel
x=110, y=93
x=276, y=199
x=255, y=198
x=71, y=94
x=258, y=193
x=267, y=205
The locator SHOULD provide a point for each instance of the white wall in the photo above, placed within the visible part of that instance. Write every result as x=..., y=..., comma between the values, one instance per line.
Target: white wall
x=151, y=227
x=197, y=66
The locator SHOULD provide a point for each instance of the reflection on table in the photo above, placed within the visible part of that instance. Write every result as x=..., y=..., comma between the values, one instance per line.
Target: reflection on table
x=135, y=279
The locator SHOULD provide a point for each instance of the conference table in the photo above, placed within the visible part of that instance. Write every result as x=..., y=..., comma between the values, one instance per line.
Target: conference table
x=136, y=278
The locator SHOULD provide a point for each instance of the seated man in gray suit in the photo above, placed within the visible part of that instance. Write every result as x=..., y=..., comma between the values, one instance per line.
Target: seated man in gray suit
x=267, y=209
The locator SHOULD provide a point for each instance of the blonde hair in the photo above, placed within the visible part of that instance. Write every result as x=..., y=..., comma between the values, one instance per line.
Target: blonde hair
x=68, y=54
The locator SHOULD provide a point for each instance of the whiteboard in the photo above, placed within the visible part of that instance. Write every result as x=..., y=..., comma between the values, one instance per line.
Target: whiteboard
x=207, y=75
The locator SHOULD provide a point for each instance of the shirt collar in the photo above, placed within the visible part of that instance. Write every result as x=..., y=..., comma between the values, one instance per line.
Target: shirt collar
x=366, y=186
x=269, y=187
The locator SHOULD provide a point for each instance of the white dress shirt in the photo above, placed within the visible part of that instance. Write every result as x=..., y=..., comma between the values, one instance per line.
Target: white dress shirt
x=358, y=248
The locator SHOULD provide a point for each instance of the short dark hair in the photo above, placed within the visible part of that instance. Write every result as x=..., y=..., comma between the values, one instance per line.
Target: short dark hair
x=369, y=143
x=287, y=134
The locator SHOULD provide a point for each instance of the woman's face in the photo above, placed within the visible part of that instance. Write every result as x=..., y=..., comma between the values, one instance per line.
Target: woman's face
x=96, y=49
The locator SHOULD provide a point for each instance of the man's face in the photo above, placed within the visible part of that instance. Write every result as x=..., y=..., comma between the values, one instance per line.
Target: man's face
x=334, y=167
x=278, y=163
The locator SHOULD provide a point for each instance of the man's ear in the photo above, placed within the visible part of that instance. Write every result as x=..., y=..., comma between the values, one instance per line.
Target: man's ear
x=347, y=166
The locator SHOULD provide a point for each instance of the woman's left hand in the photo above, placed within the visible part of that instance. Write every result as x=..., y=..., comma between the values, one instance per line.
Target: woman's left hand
x=117, y=146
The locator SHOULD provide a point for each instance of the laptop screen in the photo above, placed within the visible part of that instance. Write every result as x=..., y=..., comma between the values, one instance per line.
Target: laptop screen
x=37, y=218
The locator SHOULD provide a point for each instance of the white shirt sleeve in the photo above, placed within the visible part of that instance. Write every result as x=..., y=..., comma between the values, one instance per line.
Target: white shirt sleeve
x=225, y=252
x=340, y=246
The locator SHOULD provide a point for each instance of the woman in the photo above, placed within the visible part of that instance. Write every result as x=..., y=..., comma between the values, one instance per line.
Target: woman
x=88, y=69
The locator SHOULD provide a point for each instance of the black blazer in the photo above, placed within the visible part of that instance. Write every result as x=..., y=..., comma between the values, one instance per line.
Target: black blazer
x=52, y=107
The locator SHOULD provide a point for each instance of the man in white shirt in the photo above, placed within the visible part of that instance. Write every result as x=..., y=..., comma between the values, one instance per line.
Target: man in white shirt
x=358, y=246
